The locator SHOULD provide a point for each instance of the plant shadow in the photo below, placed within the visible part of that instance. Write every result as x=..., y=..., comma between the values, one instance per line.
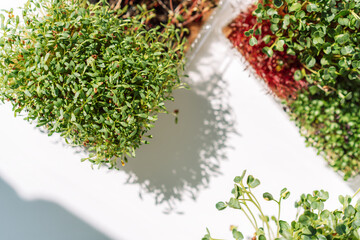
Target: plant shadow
x=182, y=158
x=39, y=219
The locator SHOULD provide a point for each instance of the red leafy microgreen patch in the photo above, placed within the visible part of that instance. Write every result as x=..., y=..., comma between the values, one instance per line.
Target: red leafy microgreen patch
x=278, y=70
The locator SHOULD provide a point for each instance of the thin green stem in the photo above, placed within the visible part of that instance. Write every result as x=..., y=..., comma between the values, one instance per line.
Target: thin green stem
x=309, y=69
x=257, y=205
x=272, y=45
x=251, y=215
x=356, y=193
x=355, y=15
x=302, y=5
x=253, y=197
x=248, y=217
x=278, y=219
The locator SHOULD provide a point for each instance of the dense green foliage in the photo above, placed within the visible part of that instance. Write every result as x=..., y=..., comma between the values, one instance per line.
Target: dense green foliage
x=89, y=73
x=331, y=126
x=313, y=221
x=324, y=36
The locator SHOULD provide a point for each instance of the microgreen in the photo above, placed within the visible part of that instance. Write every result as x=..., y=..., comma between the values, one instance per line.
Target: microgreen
x=322, y=33
x=324, y=38
x=313, y=220
x=254, y=41
x=331, y=126
x=94, y=75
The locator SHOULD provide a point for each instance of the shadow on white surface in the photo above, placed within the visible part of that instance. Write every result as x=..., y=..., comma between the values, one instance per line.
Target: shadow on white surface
x=182, y=158
x=39, y=220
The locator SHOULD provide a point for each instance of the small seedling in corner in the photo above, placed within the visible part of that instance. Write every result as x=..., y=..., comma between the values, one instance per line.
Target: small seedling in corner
x=312, y=221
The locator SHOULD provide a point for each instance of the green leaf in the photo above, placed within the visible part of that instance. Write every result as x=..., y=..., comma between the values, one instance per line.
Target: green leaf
x=325, y=61
x=2, y=19
x=220, y=206
x=325, y=214
x=349, y=211
x=278, y=3
x=321, y=237
x=237, y=179
x=311, y=7
x=237, y=191
x=298, y=75
x=268, y=197
x=286, y=21
x=258, y=31
x=46, y=57
x=353, y=76
x=295, y=7
x=254, y=183
x=274, y=27
x=268, y=51
x=250, y=179
x=343, y=63
x=252, y=41
x=280, y=45
x=207, y=236
x=290, y=51
x=285, y=195
x=342, y=38
x=310, y=61
x=27, y=93
x=267, y=39
x=237, y=235
x=271, y=12
x=124, y=124
x=327, y=48
x=300, y=14
x=313, y=90
x=304, y=220
x=347, y=50
x=343, y=21
x=283, y=190
x=284, y=226
x=234, y=203
x=341, y=229
x=247, y=33
x=318, y=40
x=180, y=18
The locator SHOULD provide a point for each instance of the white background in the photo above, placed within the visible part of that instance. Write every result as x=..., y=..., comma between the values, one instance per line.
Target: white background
x=227, y=123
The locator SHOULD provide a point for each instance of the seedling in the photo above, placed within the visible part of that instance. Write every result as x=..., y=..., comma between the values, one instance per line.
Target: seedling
x=313, y=220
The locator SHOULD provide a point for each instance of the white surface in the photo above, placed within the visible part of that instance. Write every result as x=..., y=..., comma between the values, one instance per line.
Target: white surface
x=227, y=123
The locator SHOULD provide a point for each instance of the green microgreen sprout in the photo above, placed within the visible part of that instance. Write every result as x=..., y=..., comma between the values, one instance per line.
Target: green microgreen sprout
x=92, y=74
